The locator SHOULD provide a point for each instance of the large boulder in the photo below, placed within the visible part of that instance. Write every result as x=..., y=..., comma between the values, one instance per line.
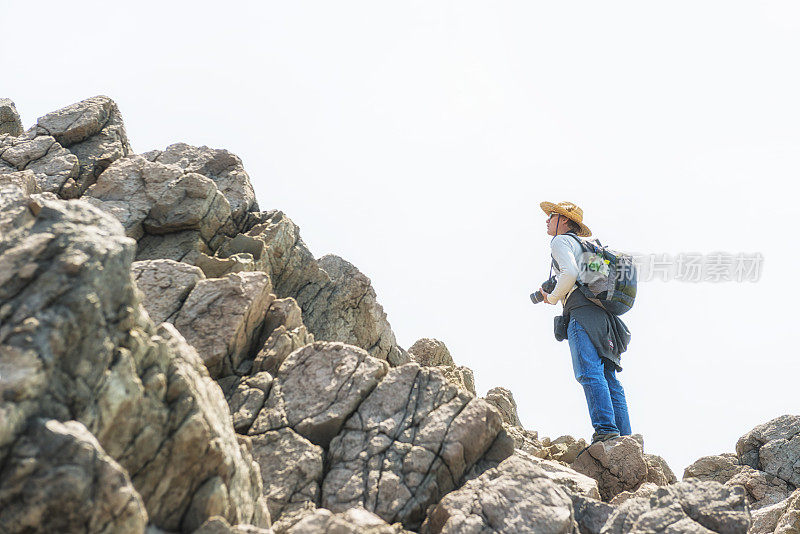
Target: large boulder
x=83, y=349
x=503, y=400
x=774, y=448
x=717, y=468
x=291, y=470
x=337, y=301
x=317, y=388
x=430, y=352
x=223, y=318
x=516, y=497
x=351, y=521
x=93, y=131
x=224, y=168
x=408, y=444
x=620, y=465
x=165, y=285
x=9, y=118
x=180, y=214
x=57, y=478
x=692, y=507
x=55, y=167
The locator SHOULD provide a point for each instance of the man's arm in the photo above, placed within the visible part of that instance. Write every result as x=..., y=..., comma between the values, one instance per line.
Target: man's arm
x=567, y=268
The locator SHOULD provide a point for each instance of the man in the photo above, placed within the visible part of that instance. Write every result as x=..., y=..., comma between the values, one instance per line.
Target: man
x=596, y=337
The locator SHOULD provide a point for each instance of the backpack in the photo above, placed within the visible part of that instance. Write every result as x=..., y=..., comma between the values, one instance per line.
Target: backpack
x=607, y=277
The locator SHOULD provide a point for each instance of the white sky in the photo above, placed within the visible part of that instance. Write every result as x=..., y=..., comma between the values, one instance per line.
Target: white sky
x=416, y=140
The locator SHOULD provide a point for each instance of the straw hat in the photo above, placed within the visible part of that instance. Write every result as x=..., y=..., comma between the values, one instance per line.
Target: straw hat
x=570, y=211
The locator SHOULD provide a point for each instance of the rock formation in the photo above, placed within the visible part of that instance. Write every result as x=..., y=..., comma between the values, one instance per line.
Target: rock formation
x=173, y=360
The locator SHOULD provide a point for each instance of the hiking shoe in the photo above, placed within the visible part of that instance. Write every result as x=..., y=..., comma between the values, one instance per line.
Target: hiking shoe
x=604, y=437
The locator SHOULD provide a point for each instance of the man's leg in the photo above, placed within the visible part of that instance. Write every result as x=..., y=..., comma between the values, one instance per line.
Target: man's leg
x=588, y=369
x=617, y=400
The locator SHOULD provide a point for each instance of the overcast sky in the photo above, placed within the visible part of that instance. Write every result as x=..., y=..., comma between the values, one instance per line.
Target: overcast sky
x=416, y=140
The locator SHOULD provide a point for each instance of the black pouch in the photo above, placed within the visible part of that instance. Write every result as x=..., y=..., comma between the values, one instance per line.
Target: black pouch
x=560, y=323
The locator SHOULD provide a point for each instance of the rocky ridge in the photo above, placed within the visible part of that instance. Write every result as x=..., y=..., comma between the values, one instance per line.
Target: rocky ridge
x=173, y=359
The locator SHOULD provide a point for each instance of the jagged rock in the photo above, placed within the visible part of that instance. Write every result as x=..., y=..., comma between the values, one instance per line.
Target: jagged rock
x=789, y=522
x=224, y=168
x=160, y=201
x=563, y=449
x=460, y=376
x=565, y=477
x=774, y=448
x=84, y=349
x=9, y=118
x=719, y=468
x=55, y=167
x=218, y=525
x=284, y=332
x=515, y=497
x=430, y=352
x=57, y=478
x=165, y=285
x=246, y=396
x=762, y=488
x=410, y=442
x=337, y=300
x=317, y=388
x=780, y=518
x=503, y=400
x=222, y=318
x=216, y=267
x=645, y=490
x=352, y=521
x=25, y=180
x=618, y=465
x=93, y=131
x=291, y=470
x=526, y=440
x=691, y=506
x=590, y=514
x=658, y=472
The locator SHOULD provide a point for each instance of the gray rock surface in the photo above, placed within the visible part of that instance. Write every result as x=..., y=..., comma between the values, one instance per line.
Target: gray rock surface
x=429, y=352
x=93, y=131
x=718, y=468
x=516, y=497
x=165, y=285
x=291, y=470
x=317, y=388
x=57, y=478
x=618, y=465
x=352, y=521
x=224, y=168
x=774, y=448
x=409, y=443
x=82, y=349
x=246, y=396
x=218, y=525
x=503, y=400
x=223, y=317
x=158, y=200
x=691, y=507
x=338, y=301
x=284, y=332
x=55, y=167
x=9, y=118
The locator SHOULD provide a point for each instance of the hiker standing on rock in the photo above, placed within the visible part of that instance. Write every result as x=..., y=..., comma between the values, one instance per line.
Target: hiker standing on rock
x=596, y=337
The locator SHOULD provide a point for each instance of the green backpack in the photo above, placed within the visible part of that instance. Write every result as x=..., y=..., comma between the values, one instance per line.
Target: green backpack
x=607, y=277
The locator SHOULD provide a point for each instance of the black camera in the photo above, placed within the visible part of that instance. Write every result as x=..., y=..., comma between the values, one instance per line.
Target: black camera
x=548, y=286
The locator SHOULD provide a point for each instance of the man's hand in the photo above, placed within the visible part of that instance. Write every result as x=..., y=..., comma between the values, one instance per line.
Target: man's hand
x=544, y=294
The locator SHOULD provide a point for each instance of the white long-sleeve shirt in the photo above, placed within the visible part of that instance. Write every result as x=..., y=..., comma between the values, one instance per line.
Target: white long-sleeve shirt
x=567, y=251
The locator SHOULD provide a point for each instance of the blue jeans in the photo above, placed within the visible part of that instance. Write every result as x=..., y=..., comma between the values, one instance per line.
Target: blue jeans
x=604, y=394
